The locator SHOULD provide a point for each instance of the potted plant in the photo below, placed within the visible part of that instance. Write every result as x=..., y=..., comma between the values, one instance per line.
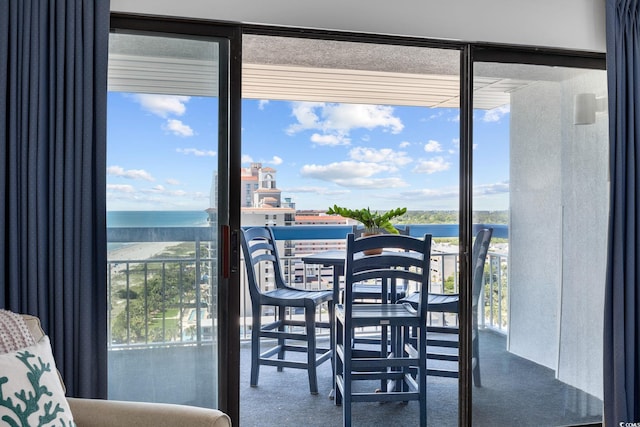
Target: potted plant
x=373, y=222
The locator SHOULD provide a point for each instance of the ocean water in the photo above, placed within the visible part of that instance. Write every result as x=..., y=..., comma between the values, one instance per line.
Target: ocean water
x=157, y=219
x=153, y=219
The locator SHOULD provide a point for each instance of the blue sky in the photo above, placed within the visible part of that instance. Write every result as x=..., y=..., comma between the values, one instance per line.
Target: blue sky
x=162, y=152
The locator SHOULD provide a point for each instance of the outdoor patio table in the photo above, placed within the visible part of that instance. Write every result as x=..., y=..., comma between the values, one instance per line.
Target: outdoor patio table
x=335, y=259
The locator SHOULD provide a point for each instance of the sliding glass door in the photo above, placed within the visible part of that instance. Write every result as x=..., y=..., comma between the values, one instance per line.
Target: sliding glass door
x=360, y=125
x=357, y=121
x=540, y=166
x=168, y=155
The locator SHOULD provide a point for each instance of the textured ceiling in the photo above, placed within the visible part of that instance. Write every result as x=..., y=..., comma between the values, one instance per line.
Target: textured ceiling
x=295, y=69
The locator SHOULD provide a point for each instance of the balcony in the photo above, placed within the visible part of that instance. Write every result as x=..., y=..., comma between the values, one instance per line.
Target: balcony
x=161, y=328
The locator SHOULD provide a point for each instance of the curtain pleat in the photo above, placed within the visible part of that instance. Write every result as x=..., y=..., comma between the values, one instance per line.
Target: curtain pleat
x=622, y=292
x=53, y=69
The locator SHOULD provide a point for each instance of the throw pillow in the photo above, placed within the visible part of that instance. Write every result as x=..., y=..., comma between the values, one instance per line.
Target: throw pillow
x=30, y=390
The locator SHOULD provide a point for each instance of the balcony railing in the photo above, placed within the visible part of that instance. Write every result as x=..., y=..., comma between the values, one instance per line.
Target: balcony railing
x=170, y=298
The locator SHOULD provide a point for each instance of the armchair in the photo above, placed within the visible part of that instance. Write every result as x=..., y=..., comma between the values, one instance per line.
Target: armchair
x=108, y=413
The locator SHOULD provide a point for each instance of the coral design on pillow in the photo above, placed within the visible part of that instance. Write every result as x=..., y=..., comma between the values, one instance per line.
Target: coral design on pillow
x=30, y=393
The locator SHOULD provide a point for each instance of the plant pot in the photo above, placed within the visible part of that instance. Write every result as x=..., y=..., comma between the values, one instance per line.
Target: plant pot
x=376, y=251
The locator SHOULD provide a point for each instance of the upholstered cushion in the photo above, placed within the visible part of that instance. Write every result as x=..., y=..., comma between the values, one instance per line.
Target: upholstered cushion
x=30, y=388
x=14, y=333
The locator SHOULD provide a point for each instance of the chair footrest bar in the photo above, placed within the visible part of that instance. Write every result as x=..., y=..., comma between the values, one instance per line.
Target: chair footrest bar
x=271, y=351
x=371, y=376
x=283, y=363
x=411, y=383
x=360, y=364
x=443, y=356
x=388, y=396
x=298, y=336
x=442, y=373
x=453, y=330
x=442, y=343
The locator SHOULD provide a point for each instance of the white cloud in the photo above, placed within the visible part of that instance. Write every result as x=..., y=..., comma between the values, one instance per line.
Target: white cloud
x=404, y=144
x=432, y=146
x=330, y=139
x=449, y=193
x=383, y=155
x=340, y=119
x=372, y=183
x=196, y=152
x=262, y=103
x=161, y=189
x=444, y=114
x=275, y=160
x=436, y=164
x=486, y=189
x=495, y=114
x=350, y=116
x=306, y=116
x=172, y=181
x=130, y=174
x=315, y=190
x=437, y=115
x=163, y=105
x=178, y=128
x=353, y=174
x=246, y=158
x=121, y=188
x=442, y=193
x=341, y=170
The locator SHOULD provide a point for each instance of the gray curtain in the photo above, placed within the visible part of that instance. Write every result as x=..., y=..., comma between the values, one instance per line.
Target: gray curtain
x=622, y=294
x=53, y=66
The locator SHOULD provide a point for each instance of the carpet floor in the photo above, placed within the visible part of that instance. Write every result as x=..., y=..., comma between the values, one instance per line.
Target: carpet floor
x=514, y=392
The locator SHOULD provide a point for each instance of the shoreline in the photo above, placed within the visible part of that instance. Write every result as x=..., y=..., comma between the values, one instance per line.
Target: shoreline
x=138, y=251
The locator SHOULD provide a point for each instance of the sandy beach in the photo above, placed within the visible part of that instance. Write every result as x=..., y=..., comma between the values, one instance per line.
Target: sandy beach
x=136, y=252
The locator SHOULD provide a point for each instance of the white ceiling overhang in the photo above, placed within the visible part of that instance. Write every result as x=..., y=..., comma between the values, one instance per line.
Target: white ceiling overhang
x=180, y=76
x=298, y=69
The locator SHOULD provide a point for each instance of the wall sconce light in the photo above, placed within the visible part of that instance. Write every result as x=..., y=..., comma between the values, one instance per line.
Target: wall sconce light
x=585, y=107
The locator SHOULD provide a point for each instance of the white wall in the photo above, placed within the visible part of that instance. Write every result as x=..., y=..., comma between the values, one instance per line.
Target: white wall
x=573, y=24
x=535, y=223
x=559, y=216
x=585, y=197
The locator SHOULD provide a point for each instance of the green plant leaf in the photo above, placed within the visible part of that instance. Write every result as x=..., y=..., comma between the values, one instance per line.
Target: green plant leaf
x=370, y=220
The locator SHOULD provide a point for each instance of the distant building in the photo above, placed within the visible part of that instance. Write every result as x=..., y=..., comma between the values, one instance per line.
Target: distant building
x=319, y=218
x=262, y=203
x=316, y=276
x=259, y=187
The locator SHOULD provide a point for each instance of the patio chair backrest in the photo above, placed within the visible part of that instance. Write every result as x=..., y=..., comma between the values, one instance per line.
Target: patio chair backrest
x=478, y=257
x=260, y=255
x=404, y=259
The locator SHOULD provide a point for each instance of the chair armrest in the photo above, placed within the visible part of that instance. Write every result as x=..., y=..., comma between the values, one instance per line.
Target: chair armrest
x=109, y=413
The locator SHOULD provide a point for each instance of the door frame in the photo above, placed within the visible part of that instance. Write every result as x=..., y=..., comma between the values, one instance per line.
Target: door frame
x=230, y=160
x=229, y=156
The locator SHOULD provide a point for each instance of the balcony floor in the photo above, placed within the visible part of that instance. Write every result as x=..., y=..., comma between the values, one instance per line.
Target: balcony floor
x=514, y=391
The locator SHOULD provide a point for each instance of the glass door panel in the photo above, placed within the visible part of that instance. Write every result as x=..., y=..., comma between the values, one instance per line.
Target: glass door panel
x=162, y=200
x=358, y=125
x=540, y=172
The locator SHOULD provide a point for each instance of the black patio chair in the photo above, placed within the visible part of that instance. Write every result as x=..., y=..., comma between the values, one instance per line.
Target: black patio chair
x=372, y=292
x=448, y=336
x=397, y=365
x=264, y=269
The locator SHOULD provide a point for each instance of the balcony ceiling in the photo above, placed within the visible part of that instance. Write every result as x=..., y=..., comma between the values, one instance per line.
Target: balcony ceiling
x=280, y=68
